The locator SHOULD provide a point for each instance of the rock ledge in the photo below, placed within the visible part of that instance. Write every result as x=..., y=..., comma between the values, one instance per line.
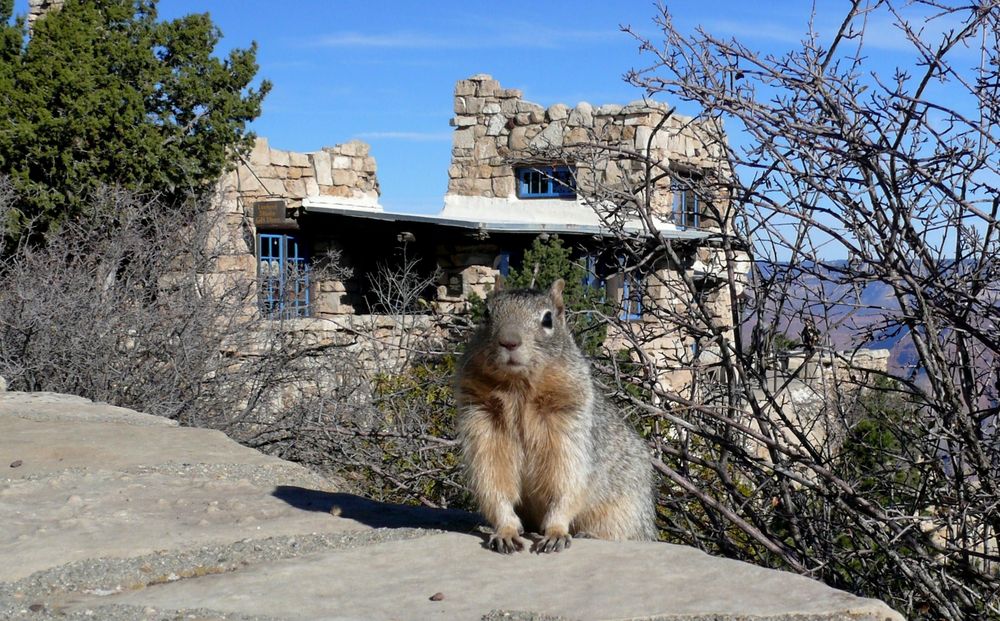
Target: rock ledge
x=113, y=514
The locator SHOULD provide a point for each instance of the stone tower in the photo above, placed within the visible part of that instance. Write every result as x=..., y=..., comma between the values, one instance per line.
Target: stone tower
x=38, y=8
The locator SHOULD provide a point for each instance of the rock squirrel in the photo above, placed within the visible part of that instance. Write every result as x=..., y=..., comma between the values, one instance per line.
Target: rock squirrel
x=544, y=451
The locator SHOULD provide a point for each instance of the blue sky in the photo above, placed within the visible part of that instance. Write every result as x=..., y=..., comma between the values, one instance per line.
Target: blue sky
x=383, y=71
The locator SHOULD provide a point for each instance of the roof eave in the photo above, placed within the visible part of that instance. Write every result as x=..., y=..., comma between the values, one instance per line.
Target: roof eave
x=496, y=226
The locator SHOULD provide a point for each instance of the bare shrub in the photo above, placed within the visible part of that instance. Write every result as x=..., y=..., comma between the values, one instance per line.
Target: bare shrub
x=869, y=203
x=134, y=304
x=400, y=447
x=111, y=306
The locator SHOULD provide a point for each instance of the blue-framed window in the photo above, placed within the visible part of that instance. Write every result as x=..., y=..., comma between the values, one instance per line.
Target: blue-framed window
x=631, y=297
x=687, y=204
x=545, y=182
x=283, y=276
x=590, y=278
x=503, y=263
x=620, y=286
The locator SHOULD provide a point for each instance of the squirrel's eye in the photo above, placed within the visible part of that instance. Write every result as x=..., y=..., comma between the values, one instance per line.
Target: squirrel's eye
x=547, y=319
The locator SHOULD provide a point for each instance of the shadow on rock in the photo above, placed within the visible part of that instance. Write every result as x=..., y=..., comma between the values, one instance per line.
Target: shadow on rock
x=376, y=514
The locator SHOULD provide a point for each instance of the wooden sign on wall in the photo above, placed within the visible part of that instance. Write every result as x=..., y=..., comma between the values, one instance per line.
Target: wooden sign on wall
x=272, y=215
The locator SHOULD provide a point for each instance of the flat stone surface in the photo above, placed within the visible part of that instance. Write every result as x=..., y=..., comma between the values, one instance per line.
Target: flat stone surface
x=48, y=447
x=97, y=480
x=50, y=406
x=112, y=514
x=77, y=515
x=592, y=580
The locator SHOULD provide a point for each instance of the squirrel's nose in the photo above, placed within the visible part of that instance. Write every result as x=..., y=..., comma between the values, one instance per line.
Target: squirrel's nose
x=510, y=342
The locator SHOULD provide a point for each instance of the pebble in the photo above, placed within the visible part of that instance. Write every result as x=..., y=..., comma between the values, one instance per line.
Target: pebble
x=16, y=463
x=437, y=597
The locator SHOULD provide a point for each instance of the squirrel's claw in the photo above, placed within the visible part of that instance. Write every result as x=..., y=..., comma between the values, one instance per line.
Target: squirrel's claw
x=506, y=542
x=553, y=543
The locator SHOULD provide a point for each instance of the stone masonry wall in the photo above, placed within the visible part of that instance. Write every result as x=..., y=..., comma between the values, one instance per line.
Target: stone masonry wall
x=38, y=9
x=345, y=171
x=496, y=129
x=465, y=269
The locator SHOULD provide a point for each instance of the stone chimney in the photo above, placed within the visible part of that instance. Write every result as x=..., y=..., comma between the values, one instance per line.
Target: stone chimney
x=38, y=8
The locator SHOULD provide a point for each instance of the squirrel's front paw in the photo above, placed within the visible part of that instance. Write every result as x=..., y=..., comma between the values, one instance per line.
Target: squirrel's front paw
x=506, y=540
x=555, y=540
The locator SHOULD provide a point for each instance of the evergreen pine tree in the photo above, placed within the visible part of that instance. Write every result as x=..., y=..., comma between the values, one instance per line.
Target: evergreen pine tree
x=104, y=92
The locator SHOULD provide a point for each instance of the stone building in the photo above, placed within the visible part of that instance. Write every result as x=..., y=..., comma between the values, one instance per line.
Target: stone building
x=518, y=171
x=594, y=175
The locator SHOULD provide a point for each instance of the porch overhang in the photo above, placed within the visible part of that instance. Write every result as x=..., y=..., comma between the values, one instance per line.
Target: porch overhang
x=564, y=226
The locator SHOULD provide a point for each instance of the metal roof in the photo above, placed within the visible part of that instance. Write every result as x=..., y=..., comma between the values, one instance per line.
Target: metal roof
x=346, y=208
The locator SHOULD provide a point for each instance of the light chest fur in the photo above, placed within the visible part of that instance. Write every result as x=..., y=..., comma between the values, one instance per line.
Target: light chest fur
x=540, y=424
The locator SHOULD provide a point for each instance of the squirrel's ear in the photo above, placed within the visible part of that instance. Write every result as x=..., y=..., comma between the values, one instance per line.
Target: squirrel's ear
x=498, y=283
x=556, y=293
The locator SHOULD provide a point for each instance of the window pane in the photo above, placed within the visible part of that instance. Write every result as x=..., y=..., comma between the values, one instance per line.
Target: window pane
x=632, y=302
x=564, y=182
x=541, y=182
x=283, y=276
x=544, y=181
x=503, y=263
x=685, y=199
x=680, y=197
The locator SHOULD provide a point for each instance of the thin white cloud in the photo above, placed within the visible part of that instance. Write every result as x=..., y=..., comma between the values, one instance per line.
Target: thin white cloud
x=407, y=136
x=883, y=32
x=384, y=40
x=287, y=64
x=521, y=36
x=880, y=30
x=756, y=30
